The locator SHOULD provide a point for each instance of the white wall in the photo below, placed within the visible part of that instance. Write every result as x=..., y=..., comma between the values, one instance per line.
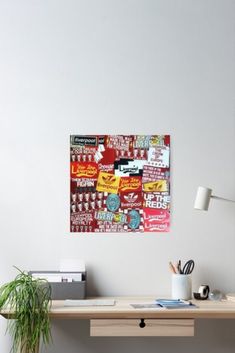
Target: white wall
x=96, y=66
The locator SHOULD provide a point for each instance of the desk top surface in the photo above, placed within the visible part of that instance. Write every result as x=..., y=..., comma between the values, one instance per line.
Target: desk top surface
x=123, y=310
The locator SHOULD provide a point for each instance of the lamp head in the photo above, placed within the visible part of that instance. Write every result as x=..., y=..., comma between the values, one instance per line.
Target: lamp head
x=203, y=197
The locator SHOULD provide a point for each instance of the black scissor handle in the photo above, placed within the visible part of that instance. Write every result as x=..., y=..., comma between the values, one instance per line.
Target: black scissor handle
x=188, y=267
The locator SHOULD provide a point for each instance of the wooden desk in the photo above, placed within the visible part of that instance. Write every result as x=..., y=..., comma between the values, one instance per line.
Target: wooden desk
x=123, y=320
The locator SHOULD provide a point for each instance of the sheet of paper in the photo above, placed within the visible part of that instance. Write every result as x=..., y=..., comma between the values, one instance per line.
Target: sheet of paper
x=72, y=265
x=50, y=278
x=89, y=302
x=59, y=277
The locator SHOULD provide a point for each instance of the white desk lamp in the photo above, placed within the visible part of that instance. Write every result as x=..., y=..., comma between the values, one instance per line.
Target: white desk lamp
x=203, y=197
x=202, y=201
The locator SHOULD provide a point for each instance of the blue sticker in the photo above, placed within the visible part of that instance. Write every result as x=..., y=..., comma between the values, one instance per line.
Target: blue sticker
x=134, y=219
x=113, y=202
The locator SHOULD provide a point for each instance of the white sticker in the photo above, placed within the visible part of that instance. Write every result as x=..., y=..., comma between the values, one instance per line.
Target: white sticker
x=101, y=148
x=98, y=156
x=159, y=156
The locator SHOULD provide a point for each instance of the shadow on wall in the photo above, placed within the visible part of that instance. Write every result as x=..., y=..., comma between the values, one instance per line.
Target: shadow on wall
x=92, y=288
x=211, y=336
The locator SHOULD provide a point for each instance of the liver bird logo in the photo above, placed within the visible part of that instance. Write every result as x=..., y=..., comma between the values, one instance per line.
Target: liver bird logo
x=158, y=186
x=109, y=179
x=131, y=197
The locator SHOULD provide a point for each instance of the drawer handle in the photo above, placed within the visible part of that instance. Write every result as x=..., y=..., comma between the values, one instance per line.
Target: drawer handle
x=142, y=323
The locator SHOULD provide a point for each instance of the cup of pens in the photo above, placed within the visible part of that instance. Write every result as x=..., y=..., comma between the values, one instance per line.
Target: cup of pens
x=181, y=281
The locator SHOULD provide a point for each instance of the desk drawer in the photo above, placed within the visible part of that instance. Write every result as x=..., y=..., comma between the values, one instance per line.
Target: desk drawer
x=132, y=327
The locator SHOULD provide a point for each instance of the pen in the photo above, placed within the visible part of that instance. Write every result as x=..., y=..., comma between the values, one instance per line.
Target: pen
x=188, y=302
x=179, y=267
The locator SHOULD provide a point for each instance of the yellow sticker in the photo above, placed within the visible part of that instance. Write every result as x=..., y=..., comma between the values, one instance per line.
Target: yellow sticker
x=159, y=185
x=108, y=182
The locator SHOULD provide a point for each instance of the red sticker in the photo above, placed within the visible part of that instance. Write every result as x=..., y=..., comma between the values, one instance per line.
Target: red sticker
x=82, y=221
x=156, y=200
x=84, y=170
x=128, y=184
x=151, y=173
x=131, y=200
x=156, y=220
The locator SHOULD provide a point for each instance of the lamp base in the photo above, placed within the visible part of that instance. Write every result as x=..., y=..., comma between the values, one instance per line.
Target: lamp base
x=230, y=297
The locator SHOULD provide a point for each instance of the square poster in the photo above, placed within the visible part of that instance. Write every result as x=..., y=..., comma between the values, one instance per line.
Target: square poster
x=119, y=183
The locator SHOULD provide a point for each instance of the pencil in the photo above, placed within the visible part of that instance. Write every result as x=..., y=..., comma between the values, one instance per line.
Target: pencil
x=172, y=269
x=176, y=268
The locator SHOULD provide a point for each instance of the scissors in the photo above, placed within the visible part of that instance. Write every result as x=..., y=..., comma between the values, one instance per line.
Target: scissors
x=188, y=267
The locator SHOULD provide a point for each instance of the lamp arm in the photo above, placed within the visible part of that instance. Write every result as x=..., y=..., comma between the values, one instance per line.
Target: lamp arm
x=221, y=198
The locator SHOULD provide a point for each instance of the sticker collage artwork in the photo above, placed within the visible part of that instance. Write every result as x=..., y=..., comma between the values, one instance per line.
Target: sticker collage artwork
x=119, y=183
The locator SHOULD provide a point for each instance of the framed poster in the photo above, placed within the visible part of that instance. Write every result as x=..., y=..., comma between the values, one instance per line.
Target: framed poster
x=119, y=183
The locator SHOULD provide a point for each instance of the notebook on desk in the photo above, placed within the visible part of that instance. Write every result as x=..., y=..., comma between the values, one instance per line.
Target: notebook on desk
x=175, y=304
x=147, y=306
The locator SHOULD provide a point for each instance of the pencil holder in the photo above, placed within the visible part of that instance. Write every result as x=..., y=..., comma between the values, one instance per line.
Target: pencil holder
x=181, y=286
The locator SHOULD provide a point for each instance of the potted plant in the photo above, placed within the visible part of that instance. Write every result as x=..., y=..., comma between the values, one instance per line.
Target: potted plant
x=30, y=300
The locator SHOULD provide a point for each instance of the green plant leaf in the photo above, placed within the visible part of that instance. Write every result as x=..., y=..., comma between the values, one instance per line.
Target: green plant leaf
x=30, y=300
